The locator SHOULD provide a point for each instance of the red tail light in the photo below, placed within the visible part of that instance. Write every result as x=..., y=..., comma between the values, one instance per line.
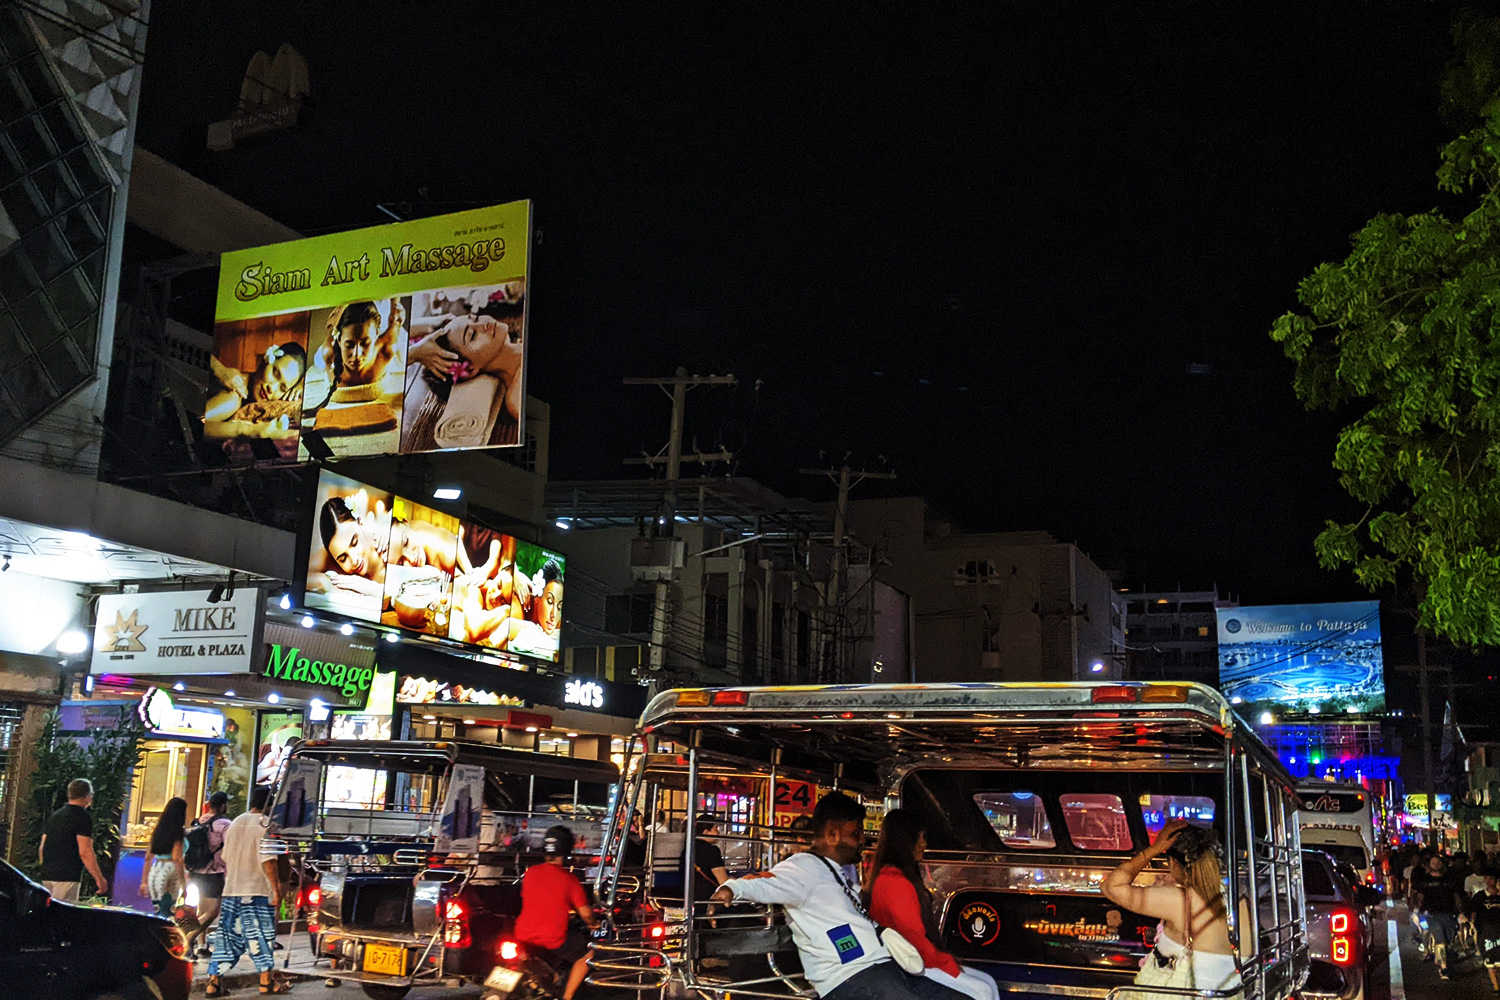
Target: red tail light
x=456, y=925
x=315, y=897
x=656, y=931
x=509, y=951
x=1341, y=943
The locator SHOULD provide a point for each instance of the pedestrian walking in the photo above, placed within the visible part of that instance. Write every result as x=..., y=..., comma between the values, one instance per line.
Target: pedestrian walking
x=247, y=919
x=206, y=838
x=1484, y=910
x=164, y=877
x=67, y=847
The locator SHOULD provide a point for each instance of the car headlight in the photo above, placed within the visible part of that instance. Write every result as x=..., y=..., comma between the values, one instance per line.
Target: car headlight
x=172, y=939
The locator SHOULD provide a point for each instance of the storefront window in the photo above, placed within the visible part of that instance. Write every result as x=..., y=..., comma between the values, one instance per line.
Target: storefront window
x=169, y=770
x=278, y=730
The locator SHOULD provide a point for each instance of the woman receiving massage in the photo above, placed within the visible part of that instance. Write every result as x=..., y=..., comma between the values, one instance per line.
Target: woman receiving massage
x=363, y=542
x=460, y=348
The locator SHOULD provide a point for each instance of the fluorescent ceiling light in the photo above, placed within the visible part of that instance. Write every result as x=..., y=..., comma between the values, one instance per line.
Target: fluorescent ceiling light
x=447, y=493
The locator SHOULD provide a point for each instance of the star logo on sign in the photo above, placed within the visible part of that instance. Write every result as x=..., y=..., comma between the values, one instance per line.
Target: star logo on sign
x=124, y=636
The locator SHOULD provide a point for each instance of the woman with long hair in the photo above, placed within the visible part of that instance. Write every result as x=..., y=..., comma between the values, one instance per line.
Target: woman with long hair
x=898, y=898
x=1194, y=916
x=164, y=878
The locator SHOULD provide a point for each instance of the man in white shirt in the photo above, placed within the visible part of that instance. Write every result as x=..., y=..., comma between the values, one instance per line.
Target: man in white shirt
x=842, y=956
x=247, y=921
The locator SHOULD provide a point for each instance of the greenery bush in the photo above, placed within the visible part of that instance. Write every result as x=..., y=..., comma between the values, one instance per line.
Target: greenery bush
x=108, y=761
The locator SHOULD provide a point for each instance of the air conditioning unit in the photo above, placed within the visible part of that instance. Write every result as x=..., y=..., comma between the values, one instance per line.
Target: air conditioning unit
x=656, y=560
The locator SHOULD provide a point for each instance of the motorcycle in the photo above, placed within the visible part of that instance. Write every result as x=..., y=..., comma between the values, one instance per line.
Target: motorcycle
x=525, y=974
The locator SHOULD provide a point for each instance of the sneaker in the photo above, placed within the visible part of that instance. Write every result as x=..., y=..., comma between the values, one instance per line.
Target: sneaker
x=1442, y=973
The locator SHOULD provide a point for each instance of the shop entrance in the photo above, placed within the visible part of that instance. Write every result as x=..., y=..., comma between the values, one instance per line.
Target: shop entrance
x=170, y=769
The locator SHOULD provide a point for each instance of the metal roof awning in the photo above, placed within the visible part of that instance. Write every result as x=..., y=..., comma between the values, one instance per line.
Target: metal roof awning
x=733, y=504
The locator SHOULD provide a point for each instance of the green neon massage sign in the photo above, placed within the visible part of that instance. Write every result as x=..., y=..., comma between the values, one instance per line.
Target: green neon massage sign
x=288, y=664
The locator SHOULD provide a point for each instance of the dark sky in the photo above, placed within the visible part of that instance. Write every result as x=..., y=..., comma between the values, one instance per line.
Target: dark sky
x=990, y=244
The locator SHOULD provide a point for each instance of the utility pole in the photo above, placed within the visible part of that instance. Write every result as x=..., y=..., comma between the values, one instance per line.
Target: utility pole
x=846, y=479
x=677, y=388
x=1422, y=669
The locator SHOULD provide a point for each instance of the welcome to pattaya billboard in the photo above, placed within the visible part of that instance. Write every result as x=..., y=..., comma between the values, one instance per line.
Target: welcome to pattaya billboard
x=408, y=337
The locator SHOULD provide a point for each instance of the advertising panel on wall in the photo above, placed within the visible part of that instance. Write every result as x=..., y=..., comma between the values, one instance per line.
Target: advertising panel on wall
x=389, y=560
x=1315, y=658
x=408, y=337
x=333, y=668
x=176, y=632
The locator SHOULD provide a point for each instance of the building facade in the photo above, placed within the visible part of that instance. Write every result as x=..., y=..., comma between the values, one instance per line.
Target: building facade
x=1174, y=635
x=995, y=606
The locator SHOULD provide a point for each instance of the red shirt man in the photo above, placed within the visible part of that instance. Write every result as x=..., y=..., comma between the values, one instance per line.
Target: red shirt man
x=550, y=895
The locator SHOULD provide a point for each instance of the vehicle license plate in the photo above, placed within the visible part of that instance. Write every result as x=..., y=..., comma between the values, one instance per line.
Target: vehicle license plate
x=385, y=959
x=503, y=979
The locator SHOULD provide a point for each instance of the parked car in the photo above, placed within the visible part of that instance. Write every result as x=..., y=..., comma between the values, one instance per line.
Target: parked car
x=1338, y=929
x=64, y=951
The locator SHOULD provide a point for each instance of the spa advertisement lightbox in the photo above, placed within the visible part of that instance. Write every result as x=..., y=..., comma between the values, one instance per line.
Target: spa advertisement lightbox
x=403, y=338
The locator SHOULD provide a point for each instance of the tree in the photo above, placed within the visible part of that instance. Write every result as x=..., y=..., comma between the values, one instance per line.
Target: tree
x=1404, y=334
x=108, y=760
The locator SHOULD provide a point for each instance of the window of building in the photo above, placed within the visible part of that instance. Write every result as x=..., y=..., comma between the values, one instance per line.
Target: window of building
x=778, y=630
x=1202, y=630
x=1018, y=818
x=804, y=643
x=715, y=617
x=628, y=614
x=974, y=571
x=1096, y=822
x=586, y=660
x=750, y=641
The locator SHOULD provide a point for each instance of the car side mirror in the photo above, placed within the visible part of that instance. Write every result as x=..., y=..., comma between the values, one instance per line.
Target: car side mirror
x=1368, y=896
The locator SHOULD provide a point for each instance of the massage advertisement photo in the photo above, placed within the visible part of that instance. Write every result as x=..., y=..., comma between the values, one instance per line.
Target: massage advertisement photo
x=402, y=338
x=382, y=558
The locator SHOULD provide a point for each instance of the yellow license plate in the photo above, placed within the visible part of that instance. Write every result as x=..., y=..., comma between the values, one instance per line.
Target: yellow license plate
x=385, y=959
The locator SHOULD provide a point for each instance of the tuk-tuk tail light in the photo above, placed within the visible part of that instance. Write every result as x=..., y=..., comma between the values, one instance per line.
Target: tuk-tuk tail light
x=1164, y=693
x=1114, y=694
x=731, y=697
x=656, y=931
x=693, y=699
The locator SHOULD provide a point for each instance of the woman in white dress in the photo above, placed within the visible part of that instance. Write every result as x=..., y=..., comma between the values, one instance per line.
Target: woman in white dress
x=1192, y=911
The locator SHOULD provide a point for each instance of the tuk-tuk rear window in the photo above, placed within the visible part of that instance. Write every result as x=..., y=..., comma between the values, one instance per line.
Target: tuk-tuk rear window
x=1019, y=819
x=1096, y=821
x=1159, y=810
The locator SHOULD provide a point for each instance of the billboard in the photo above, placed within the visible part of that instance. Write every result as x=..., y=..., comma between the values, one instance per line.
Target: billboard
x=385, y=559
x=1315, y=658
x=407, y=337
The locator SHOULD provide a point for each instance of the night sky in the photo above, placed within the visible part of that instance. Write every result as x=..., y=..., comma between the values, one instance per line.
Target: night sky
x=1028, y=253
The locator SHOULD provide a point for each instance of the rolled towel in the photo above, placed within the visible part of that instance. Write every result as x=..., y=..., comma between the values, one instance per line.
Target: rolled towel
x=469, y=415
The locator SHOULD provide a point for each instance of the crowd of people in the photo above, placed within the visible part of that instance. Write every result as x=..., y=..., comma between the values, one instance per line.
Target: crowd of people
x=1454, y=901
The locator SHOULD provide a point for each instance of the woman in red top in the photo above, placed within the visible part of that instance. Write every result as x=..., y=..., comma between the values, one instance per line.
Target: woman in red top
x=898, y=898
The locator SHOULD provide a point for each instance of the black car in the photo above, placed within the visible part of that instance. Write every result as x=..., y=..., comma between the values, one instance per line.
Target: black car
x=63, y=951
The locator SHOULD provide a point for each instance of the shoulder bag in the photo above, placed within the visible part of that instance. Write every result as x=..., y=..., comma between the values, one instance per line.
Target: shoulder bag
x=1173, y=973
x=902, y=951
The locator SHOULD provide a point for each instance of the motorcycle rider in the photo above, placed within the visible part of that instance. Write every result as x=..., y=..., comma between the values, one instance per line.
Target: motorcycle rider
x=550, y=895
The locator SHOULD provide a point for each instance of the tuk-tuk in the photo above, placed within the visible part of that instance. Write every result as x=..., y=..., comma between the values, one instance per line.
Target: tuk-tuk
x=411, y=853
x=1030, y=795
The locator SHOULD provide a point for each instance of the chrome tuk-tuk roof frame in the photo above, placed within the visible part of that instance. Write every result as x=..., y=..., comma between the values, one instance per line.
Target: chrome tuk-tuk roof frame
x=869, y=737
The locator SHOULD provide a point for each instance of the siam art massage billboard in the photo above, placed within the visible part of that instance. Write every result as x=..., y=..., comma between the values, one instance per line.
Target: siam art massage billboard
x=387, y=560
x=402, y=338
x=1313, y=658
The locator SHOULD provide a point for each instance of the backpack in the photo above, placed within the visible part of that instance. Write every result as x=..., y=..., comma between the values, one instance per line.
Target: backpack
x=196, y=853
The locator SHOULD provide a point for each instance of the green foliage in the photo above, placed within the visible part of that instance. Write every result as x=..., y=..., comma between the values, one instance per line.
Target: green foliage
x=108, y=761
x=1404, y=336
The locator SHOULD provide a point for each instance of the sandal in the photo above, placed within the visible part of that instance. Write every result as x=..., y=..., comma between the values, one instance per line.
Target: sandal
x=275, y=985
x=215, y=987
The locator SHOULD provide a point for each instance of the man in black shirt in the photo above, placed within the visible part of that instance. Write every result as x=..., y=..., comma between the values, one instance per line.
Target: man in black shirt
x=67, y=846
x=708, y=861
x=1440, y=893
x=1484, y=910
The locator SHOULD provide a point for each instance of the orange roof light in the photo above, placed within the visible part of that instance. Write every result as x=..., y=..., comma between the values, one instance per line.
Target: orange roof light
x=1164, y=692
x=693, y=699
